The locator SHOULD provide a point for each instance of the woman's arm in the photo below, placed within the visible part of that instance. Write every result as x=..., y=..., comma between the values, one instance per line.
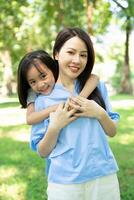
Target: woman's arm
x=89, y=108
x=90, y=85
x=58, y=119
x=33, y=117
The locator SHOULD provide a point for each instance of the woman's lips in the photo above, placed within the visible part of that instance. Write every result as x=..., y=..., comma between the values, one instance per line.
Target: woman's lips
x=73, y=68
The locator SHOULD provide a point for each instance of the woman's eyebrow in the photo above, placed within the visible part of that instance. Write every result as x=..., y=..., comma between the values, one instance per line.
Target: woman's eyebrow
x=84, y=50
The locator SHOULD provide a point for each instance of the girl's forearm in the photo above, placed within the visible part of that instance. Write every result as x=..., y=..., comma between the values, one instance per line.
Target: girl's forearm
x=89, y=86
x=36, y=117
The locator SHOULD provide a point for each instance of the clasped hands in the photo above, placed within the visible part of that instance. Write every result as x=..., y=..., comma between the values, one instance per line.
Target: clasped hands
x=84, y=107
x=73, y=108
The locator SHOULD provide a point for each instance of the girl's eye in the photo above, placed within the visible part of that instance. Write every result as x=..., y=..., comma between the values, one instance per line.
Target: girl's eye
x=32, y=82
x=42, y=76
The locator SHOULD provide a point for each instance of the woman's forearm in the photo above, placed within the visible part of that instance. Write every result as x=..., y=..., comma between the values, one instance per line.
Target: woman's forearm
x=47, y=144
x=106, y=122
x=58, y=120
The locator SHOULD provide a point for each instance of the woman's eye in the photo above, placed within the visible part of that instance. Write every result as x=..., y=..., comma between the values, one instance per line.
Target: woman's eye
x=70, y=52
x=84, y=55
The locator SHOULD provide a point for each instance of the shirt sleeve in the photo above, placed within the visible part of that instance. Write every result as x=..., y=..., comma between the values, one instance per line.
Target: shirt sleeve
x=103, y=89
x=38, y=130
x=31, y=96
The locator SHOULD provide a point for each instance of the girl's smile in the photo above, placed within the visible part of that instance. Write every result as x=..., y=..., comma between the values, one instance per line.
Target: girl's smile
x=41, y=81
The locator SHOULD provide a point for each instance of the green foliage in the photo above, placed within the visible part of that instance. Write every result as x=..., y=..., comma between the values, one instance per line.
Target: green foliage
x=125, y=12
x=116, y=79
x=102, y=16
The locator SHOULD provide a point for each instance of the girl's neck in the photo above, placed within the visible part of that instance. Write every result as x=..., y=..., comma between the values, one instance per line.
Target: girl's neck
x=66, y=82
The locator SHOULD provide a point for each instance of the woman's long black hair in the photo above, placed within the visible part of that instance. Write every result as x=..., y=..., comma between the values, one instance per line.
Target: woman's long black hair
x=65, y=35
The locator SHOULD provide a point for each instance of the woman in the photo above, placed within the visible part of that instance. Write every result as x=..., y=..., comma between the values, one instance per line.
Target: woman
x=80, y=163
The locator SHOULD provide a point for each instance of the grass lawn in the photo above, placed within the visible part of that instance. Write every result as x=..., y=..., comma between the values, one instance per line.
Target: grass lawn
x=22, y=171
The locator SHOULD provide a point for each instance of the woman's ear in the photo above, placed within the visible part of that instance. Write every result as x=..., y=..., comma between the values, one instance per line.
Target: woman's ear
x=56, y=56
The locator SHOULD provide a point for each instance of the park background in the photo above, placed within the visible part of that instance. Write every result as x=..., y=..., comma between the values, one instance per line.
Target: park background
x=27, y=25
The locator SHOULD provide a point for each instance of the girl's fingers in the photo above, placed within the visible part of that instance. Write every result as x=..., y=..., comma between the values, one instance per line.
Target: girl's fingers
x=72, y=111
x=75, y=106
x=60, y=106
x=66, y=105
x=76, y=100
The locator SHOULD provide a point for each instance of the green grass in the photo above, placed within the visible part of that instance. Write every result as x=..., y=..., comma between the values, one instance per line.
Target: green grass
x=22, y=175
x=123, y=148
x=122, y=97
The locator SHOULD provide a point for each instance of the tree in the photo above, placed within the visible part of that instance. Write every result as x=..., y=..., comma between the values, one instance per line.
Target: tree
x=33, y=24
x=126, y=13
x=11, y=18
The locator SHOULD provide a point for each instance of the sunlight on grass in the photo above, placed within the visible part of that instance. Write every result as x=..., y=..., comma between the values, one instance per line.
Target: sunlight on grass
x=14, y=191
x=12, y=116
x=23, y=136
x=18, y=133
x=6, y=173
x=126, y=139
x=125, y=104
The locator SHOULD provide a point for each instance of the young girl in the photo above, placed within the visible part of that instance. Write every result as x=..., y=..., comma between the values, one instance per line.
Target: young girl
x=80, y=163
x=37, y=74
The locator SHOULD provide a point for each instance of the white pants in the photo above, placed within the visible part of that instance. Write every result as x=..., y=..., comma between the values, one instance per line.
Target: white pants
x=105, y=188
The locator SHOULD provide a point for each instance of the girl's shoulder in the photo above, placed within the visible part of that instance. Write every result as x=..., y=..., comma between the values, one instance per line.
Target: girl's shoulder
x=31, y=96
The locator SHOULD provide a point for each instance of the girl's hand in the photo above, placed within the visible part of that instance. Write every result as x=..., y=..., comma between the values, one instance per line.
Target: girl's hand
x=85, y=107
x=62, y=116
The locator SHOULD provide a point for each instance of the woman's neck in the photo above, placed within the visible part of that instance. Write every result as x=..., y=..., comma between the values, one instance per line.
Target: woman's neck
x=66, y=82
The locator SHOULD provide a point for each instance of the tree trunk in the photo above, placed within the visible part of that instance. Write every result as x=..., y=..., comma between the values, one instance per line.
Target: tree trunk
x=89, y=11
x=7, y=73
x=126, y=85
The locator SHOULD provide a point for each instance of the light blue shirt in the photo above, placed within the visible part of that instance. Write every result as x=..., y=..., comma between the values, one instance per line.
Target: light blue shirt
x=82, y=152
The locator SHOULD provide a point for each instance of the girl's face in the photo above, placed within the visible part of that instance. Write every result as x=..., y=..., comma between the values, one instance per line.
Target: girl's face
x=72, y=58
x=41, y=81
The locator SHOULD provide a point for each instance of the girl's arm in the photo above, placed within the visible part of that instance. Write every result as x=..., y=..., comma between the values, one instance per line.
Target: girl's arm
x=58, y=120
x=33, y=117
x=89, y=86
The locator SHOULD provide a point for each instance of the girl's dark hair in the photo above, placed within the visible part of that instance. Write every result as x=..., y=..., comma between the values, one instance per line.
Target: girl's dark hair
x=31, y=59
x=67, y=34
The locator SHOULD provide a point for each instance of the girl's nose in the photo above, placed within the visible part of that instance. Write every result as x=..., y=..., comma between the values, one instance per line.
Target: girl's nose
x=41, y=84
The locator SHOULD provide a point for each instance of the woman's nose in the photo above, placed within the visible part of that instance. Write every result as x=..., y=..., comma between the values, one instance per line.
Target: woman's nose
x=76, y=58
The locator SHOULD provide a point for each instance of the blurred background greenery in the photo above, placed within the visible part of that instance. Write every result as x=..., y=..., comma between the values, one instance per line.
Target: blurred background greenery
x=27, y=25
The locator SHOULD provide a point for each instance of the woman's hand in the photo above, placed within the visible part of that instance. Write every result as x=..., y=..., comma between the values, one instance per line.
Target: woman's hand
x=89, y=108
x=58, y=120
x=85, y=107
x=62, y=116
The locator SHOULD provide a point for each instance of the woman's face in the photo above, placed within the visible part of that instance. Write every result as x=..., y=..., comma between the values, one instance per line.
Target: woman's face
x=72, y=58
